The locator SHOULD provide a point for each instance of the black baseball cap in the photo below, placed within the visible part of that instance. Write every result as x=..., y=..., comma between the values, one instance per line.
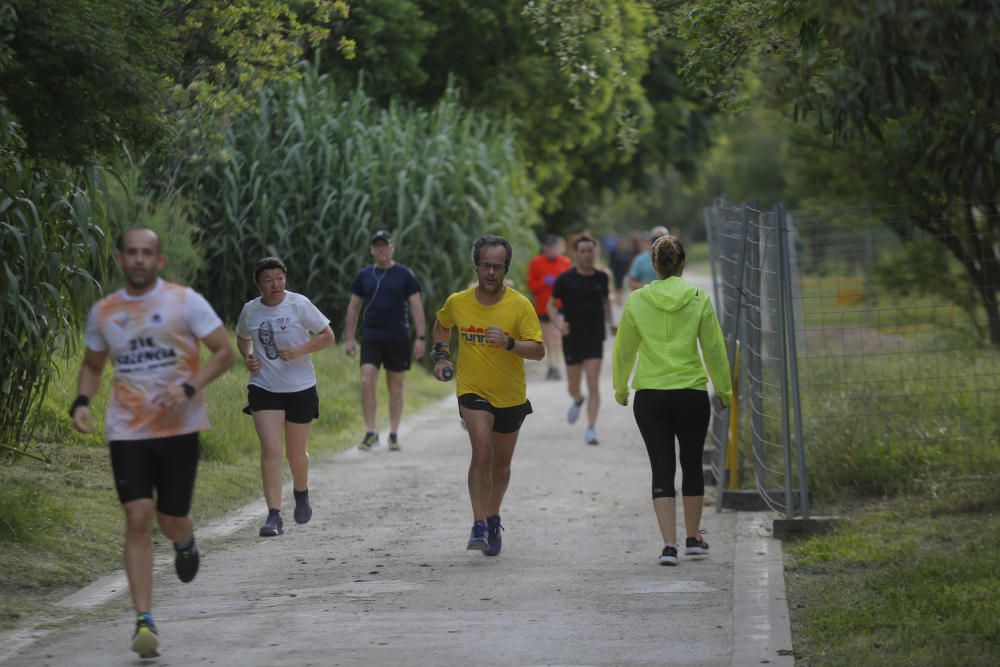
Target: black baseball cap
x=381, y=235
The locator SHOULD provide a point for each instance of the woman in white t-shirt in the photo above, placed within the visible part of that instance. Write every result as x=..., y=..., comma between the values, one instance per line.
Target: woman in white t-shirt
x=276, y=334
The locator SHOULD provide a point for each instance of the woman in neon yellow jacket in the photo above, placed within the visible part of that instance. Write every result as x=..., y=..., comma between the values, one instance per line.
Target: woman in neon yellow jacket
x=662, y=324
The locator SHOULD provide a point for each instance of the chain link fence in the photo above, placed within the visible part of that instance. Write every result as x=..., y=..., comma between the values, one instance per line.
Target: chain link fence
x=862, y=356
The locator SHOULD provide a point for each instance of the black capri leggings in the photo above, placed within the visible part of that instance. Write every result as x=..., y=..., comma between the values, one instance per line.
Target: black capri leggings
x=662, y=414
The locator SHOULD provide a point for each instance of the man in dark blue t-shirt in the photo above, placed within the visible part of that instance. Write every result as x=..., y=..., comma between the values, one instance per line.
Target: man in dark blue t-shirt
x=381, y=295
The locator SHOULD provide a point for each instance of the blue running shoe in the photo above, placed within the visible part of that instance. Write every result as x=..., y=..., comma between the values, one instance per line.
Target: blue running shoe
x=493, y=541
x=574, y=410
x=477, y=541
x=145, y=641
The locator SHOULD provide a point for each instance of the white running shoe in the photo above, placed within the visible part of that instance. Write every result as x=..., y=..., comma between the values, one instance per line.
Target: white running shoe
x=574, y=410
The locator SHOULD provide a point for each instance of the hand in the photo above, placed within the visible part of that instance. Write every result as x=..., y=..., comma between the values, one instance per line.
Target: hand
x=549, y=280
x=719, y=403
x=419, y=348
x=253, y=363
x=82, y=420
x=563, y=327
x=622, y=398
x=291, y=354
x=439, y=367
x=496, y=337
x=350, y=348
x=172, y=397
x=614, y=329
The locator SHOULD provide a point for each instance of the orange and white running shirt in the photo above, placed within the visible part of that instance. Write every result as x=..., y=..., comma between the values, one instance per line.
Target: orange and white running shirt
x=152, y=341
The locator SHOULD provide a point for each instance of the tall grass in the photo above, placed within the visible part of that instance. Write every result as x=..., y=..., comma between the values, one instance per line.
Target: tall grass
x=312, y=174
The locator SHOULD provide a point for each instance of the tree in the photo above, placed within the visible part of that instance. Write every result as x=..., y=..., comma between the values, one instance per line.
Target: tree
x=910, y=85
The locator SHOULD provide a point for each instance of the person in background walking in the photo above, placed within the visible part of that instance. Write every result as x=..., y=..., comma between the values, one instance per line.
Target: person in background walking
x=641, y=271
x=663, y=323
x=277, y=333
x=498, y=330
x=151, y=331
x=384, y=293
x=543, y=270
x=583, y=323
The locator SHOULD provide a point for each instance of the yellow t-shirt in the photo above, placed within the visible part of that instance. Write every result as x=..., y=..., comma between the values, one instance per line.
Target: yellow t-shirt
x=494, y=373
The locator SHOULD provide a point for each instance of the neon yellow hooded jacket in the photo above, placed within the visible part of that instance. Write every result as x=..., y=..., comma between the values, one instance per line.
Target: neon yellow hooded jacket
x=663, y=322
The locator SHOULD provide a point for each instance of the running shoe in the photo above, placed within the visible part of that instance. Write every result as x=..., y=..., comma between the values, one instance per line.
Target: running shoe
x=493, y=542
x=591, y=436
x=274, y=526
x=303, y=510
x=369, y=442
x=553, y=374
x=574, y=410
x=393, y=443
x=145, y=640
x=477, y=540
x=669, y=556
x=186, y=561
x=695, y=546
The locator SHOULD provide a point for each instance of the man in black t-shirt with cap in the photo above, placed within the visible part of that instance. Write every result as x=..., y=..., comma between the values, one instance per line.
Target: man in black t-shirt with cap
x=583, y=322
x=384, y=295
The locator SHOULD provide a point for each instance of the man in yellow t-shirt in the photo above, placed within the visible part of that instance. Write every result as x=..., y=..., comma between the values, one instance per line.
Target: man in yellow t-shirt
x=498, y=329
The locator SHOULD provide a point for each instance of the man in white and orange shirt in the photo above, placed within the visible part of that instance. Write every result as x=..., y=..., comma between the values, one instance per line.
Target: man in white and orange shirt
x=151, y=331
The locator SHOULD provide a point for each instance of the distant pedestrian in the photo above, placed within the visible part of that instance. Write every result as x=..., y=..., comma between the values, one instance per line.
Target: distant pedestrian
x=385, y=294
x=583, y=322
x=641, y=271
x=277, y=333
x=663, y=324
x=543, y=270
x=498, y=330
x=151, y=330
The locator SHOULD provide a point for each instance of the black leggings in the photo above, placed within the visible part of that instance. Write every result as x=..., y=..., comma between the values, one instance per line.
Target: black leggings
x=662, y=414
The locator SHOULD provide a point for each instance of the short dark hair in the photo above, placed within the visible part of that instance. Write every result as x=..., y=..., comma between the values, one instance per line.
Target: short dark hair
x=138, y=228
x=492, y=240
x=266, y=263
x=583, y=238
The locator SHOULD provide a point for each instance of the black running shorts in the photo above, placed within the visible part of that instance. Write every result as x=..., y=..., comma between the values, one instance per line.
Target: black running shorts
x=505, y=420
x=168, y=465
x=300, y=407
x=577, y=347
x=394, y=354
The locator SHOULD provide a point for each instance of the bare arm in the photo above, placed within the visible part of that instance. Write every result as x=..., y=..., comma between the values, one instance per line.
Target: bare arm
x=351, y=325
x=320, y=341
x=245, y=346
x=419, y=323
x=529, y=349
x=608, y=317
x=557, y=319
x=88, y=381
x=441, y=335
x=219, y=362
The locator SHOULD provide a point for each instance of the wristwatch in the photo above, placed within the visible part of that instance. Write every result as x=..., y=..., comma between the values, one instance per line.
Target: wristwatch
x=189, y=391
x=510, y=342
x=420, y=338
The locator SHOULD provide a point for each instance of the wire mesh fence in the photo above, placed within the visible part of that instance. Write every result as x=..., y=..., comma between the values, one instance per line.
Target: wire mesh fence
x=863, y=355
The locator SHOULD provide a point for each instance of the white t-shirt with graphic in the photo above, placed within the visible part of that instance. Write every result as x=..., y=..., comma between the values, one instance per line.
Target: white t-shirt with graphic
x=275, y=328
x=152, y=340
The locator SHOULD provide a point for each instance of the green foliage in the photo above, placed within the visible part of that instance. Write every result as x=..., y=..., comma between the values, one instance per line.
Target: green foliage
x=53, y=251
x=312, y=174
x=27, y=511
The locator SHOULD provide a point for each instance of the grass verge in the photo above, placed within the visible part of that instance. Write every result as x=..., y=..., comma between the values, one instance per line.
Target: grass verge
x=908, y=582
x=61, y=523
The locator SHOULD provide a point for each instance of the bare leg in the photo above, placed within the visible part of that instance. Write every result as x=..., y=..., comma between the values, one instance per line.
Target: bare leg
x=177, y=529
x=138, y=553
x=480, y=425
x=296, y=450
x=503, y=452
x=369, y=374
x=394, y=382
x=573, y=374
x=269, y=425
x=666, y=517
x=692, y=514
x=592, y=369
x=553, y=344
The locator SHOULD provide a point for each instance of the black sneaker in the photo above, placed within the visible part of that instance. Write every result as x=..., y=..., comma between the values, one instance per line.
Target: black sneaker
x=393, y=443
x=695, y=546
x=303, y=510
x=369, y=442
x=186, y=561
x=669, y=556
x=145, y=640
x=273, y=526
x=493, y=541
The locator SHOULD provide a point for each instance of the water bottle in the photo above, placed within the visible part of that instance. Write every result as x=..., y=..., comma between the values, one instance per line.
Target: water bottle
x=447, y=373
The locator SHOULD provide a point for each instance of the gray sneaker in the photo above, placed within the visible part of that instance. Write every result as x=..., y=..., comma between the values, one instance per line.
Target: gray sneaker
x=574, y=410
x=369, y=442
x=393, y=442
x=274, y=526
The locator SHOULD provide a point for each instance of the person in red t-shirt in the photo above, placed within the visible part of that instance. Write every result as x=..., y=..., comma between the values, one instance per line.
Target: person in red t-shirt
x=543, y=270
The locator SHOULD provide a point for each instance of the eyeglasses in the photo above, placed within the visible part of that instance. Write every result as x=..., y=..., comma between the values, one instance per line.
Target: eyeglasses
x=488, y=266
